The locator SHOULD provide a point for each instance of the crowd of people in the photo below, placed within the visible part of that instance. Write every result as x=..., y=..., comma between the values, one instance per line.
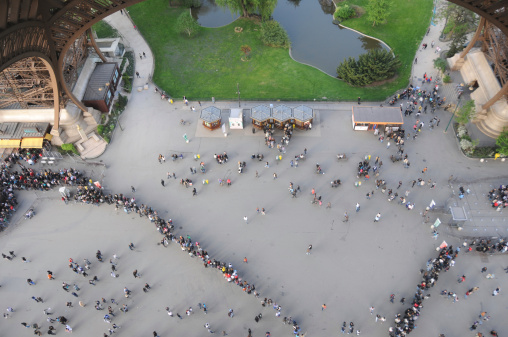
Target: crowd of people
x=499, y=197
x=88, y=193
x=405, y=323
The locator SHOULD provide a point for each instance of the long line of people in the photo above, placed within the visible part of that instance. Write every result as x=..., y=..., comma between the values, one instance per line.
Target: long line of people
x=88, y=193
x=406, y=323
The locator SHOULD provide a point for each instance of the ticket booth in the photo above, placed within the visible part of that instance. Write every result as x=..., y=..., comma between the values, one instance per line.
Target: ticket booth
x=236, y=119
x=371, y=118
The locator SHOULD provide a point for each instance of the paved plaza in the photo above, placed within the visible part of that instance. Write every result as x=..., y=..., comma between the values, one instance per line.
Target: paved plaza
x=352, y=266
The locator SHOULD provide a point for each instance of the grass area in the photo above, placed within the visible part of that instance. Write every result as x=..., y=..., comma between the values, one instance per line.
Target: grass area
x=104, y=30
x=210, y=64
x=403, y=31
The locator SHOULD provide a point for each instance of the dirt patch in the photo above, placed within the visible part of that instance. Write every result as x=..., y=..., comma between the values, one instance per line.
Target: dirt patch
x=358, y=10
x=375, y=84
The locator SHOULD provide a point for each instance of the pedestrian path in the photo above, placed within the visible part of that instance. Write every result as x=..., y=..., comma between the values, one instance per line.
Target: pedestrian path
x=133, y=39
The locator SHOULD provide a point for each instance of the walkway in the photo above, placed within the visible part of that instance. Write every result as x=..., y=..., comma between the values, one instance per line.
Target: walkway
x=133, y=39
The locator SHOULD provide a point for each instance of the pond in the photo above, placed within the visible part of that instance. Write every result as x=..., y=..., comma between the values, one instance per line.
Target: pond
x=315, y=40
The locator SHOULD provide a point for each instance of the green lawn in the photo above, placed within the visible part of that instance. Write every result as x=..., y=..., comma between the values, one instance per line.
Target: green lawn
x=211, y=65
x=403, y=32
x=104, y=30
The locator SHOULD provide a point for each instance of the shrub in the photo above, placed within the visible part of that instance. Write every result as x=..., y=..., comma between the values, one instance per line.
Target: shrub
x=466, y=145
x=132, y=61
x=376, y=65
x=120, y=104
x=466, y=112
x=100, y=130
x=185, y=24
x=127, y=84
x=486, y=151
x=106, y=138
x=273, y=35
x=343, y=13
x=440, y=64
x=447, y=79
x=69, y=148
x=502, y=142
x=461, y=131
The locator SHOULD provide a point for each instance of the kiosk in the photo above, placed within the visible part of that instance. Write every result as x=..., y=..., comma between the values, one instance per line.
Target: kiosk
x=282, y=115
x=261, y=115
x=211, y=117
x=303, y=117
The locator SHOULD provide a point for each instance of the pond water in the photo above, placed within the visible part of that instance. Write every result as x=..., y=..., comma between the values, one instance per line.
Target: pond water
x=315, y=40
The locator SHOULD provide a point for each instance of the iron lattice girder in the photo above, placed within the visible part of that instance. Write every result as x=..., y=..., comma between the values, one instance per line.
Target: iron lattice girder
x=27, y=83
x=28, y=37
x=495, y=11
x=496, y=46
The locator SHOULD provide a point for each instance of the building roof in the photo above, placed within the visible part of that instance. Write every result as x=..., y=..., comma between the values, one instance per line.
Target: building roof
x=210, y=114
x=95, y=89
x=382, y=115
x=282, y=113
x=261, y=113
x=22, y=130
x=235, y=113
x=303, y=113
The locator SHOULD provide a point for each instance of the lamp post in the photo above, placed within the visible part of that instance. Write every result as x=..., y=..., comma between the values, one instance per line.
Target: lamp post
x=453, y=114
x=238, y=92
x=120, y=125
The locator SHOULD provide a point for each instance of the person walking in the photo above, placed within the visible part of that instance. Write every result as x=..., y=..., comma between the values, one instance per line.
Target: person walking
x=245, y=219
x=378, y=216
x=162, y=182
x=357, y=207
x=309, y=249
x=346, y=217
x=133, y=189
x=194, y=192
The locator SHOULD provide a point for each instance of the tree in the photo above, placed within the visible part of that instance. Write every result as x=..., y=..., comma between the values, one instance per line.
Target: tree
x=466, y=112
x=459, y=23
x=502, y=142
x=378, y=10
x=246, y=50
x=440, y=64
x=273, y=35
x=342, y=13
x=376, y=65
x=186, y=24
x=247, y=7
